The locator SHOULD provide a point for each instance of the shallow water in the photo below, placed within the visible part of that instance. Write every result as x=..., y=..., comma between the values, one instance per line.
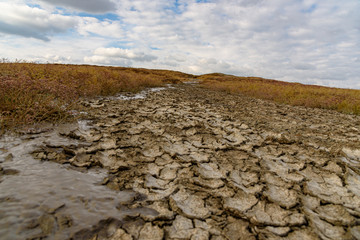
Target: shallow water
x=50, y=189
x=142, y=94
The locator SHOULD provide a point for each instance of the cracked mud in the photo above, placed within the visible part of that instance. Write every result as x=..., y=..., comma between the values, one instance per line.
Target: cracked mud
x=209, y=165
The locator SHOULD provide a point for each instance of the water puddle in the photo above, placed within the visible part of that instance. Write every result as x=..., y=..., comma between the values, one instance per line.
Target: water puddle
x=142, y=94
x=38, y=198
x=192, y=81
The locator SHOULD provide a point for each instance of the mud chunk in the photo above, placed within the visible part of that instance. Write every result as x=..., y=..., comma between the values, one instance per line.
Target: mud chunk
x=151, y=182
x=353, y=182
x=9, y=157
x=182, y=228
x=176, y=149
x=240, y=203
x=209, y=171
x=282, y=196
x=153, y=169
x=64, y=221
x=152, y=152
x=353, y=154
x=209, y=183
x=303, y=234
x=326, y=230
x=109, y=161
x=199, y=157
x=121, y=234
x=168, y=173
x=134, y=227
x=47, y=224
x=108, y=143
x=355, y=232
x=163, y=211
x=236, y=138
x=190, y=205
x=81, y=160
x=335, y=214
x=333, y=167
x=280, y=231
x=238, y=230
x=274, y=215
x=200, y=234
x=150, y=232
x=8, y=171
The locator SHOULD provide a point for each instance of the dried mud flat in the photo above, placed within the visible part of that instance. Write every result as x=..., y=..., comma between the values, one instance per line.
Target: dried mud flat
x=210, y=165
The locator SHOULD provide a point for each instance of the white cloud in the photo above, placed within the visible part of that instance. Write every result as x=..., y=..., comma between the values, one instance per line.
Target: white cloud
x=32, y=22
x=118, y=55
x=105, y=28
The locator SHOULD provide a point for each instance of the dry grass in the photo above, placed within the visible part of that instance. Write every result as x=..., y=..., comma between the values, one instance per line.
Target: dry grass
x=31, y=93
x=342, y=100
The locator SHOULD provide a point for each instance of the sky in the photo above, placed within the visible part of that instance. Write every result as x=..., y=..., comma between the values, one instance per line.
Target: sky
x=306, y=41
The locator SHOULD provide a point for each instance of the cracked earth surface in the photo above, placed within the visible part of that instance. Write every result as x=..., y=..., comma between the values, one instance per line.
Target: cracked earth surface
x=210, y=165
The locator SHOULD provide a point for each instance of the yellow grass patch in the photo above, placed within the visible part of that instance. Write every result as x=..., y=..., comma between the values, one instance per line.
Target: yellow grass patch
x=342, y=100
x=32, y=93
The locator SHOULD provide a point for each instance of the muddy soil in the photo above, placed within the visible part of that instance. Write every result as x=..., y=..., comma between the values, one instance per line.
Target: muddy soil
x=210, y=165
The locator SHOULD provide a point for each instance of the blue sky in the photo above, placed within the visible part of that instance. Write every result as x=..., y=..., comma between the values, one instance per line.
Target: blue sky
x=307, y=41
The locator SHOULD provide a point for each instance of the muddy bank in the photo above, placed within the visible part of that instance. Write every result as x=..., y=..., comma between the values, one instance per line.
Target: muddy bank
x=207, y=165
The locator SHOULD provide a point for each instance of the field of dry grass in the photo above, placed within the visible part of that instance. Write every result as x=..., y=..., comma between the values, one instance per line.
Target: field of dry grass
x=31, y=93
x=342, y=100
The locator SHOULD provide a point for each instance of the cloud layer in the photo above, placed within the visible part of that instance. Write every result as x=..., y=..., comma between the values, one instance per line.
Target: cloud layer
x=308, y=41
x=92, y=6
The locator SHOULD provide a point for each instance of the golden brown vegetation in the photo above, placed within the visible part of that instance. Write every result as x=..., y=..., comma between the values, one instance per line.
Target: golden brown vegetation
x=31, y=93
x=342, y=100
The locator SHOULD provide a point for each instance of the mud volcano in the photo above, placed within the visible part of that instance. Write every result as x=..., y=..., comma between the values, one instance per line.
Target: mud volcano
x=185, y=163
